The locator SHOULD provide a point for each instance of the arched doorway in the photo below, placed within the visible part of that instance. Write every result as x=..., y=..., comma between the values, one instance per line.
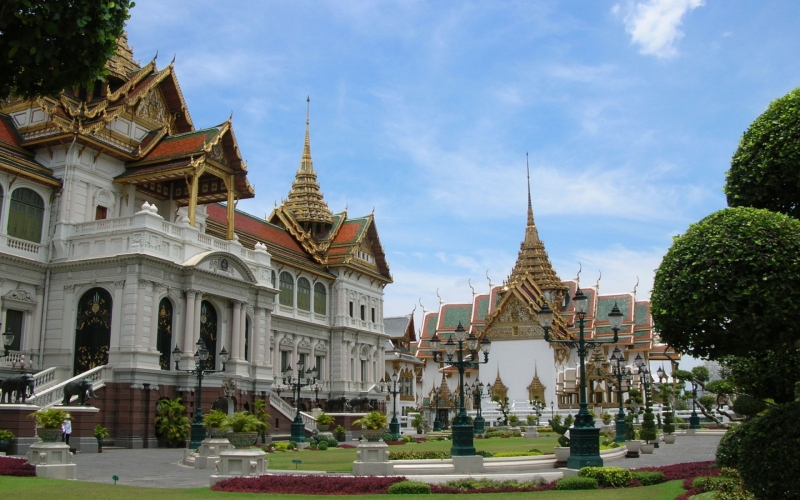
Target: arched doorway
x=164, y=340
x=93, y=330
x=225, y=404
x=208, y=331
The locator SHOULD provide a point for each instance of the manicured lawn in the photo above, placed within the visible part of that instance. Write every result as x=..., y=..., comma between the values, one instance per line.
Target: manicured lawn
x=30, y=487
x=341, y=460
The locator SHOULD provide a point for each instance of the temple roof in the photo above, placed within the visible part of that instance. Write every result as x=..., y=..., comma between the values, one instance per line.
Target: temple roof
x=19, y=161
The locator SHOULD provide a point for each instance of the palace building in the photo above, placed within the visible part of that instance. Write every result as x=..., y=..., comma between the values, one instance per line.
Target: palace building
x=120, y=242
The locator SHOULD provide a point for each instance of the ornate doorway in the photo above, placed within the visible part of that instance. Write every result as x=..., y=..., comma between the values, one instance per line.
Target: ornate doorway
x=164, y=340
x=93, y=330
x=208, y=330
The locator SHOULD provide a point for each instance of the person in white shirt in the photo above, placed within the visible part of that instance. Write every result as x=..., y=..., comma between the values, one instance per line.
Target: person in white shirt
x=66, y=428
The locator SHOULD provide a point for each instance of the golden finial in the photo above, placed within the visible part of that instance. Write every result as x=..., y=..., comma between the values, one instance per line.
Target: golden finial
x=424, y=311
x=635, y=287
x=578, y=277
x=530, y=205
x=440, y=298
x=489, y=279
x=474, y=293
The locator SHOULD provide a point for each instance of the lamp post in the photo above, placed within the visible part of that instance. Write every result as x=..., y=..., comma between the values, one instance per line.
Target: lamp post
x=584, y=442
x=552, y=410
x=296, y=383
x=437, y=424
x=457, y=352
x=201, y=360
x=623, y=376
x=316, y=388
x=644, y=376
x=8, y=339
x=479, y=423
x=394, y=425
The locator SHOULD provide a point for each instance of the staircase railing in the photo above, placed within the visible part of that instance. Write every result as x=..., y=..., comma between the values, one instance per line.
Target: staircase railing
x=55, y=394
x=289, y=411
x=44, y=378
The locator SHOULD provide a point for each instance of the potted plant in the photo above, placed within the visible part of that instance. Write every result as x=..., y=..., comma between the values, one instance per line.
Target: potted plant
x=48, y=423
x=606, y=418
x=513, y=420
x=418, y=423
x=648, y=432
x=562, y=452
x=214, y=422
x=373, y=425
x=5, y=440
x=340, y=433
x=324, y=421
x=245, y=428
x=171, y=422
x=631, y=443
x=100, y=433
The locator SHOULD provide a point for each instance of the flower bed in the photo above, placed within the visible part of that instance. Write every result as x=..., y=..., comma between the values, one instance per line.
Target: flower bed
x=16, y=467
x=419, y=455
x=688, y=470
x=308, y=485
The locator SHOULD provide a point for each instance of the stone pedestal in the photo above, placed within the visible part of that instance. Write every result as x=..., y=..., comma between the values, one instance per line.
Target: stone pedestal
x=237, y=463
x=530, y=433
x=468, y=464
x=372, y=459
x=14, y=418
x=84, y=418
x=52, y=460
x=210, y=449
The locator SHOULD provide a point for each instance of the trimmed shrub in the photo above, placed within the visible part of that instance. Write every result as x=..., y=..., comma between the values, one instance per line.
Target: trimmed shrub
x=615, y=477
x=484, y=485
x=648, y=478
x=577, y=483
x=517, y=454
x=322, y=445
x=484, y=454
x=729, y=449
x=419, y=455
x=284, y=445
x=410, y=488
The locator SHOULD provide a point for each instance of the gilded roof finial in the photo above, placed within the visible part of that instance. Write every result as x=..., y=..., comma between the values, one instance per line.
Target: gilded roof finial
x=597, y=284
x=489, y=279
x=530, y=205
x=635, y=287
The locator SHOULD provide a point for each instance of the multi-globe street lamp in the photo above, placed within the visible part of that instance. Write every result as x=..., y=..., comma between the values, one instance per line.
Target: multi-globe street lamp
x=461, y=354
x=644, y=377
x=623, y=376
x=296, y=383
x=8, y=340
x=584, y=442
x=394, y=425
x=202, y=367
x=479, y=423
x=437, y=424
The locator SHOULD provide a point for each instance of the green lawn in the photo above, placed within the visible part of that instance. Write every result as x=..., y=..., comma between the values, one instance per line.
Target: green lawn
x=29, y=487
x=341, y=460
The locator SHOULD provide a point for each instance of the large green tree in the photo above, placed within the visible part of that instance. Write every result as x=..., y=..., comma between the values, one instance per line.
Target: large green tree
x=730, y=285
x=765, y=170
x=49, y=45
x=765, y=375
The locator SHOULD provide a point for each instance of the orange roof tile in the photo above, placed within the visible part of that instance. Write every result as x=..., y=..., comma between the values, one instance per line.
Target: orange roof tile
x=180, y=144
x=7, y=131
x=264, y=231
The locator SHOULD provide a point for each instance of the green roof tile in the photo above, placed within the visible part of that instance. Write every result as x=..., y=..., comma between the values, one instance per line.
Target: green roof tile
x=483, y=308
x=604, y=307
x=454, y=315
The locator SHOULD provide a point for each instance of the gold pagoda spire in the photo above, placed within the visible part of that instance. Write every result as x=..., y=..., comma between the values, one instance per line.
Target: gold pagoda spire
x=305, y=200
x=533, y=258
x=122, y=62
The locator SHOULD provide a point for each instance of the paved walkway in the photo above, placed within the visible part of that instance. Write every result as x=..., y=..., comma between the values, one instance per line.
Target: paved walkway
x=161, y=468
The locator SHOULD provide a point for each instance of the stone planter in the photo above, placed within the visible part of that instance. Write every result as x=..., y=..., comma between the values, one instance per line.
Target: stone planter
x=49, y=435
x=669, y=438
x=242, y=439
x=633, y=446
x=323, y=427
x=562, y=453
x=647, y=448
x=216, y=432
x=372, y=435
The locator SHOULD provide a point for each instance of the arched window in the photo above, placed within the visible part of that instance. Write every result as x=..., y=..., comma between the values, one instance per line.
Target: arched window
x=303, y=294
x=287, y=290
x=26, y=215
x=272, y=278
x=247, y=339
x=93, y=330
x=164, y=341
x=320, y=298
x=208, y=331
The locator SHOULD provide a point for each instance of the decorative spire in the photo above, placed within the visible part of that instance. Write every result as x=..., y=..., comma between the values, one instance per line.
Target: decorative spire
x=122, y=62
x=305, y=199
x=533, y=258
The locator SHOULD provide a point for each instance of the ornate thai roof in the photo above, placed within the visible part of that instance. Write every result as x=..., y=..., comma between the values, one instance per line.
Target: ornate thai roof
x=305, y=200
x=19, y=161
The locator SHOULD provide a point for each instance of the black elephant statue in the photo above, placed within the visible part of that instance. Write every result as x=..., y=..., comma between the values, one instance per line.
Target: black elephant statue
x=80, y=388
x=361, y=403
x=19, y=385
x=336, y=404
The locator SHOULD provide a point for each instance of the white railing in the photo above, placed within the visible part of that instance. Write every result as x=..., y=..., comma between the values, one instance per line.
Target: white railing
x=172, y=229
x=25, y=246
x=44, y=378
x=205, y=240
x=249, y=254
x=55, y=394
x=102, y=225
x=289, y=411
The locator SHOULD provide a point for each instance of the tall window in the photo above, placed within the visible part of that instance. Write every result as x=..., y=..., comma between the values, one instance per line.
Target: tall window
x=363, y=370
x=303, y=361
x=208, y=331
x=320, y=299
x=272, y=278
x=372, y=310
x=287, y=290
x=247, y=339
x=320, y=367
x=1, y=202
x=26, y=215
x=303, y=294
x=351, y=308
x=363, y=316
x=14, y=324
x=284, y=359
x=164, y=341
x=100, y=213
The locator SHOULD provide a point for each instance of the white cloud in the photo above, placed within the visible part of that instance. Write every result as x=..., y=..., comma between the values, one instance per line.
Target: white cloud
x=654, y=25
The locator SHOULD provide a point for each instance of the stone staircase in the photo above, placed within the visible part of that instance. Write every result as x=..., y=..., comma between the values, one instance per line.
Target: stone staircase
x=289, y=411
x=51, y=392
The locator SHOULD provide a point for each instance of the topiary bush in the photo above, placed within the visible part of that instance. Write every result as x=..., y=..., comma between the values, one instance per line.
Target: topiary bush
x=577, y=483
x=648, y=430
x=748, y=406
x=322, y=445
x=410, y=488
x=729, y=449
x=770, y=443
x=648, y=478
x=615, y=477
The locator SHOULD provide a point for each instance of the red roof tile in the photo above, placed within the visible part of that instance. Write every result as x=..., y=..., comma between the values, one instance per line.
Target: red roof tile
x=7, y=131
x=264, y=231
x=349, y=231
x=181, y=144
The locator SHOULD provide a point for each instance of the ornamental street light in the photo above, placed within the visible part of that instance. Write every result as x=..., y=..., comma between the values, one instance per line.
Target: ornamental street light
x=623, y=376
x=644, y=377
x=296, y=383
x=461, y=354
x=202, y=363
x=479, y=423
x=8, y=340
x=394, y=425
x=437, y=424
x=584, y=442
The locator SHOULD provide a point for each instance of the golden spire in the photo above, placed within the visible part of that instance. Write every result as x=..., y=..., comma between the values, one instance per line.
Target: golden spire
x=122, y=62
x=305, y=199
x=533, y=258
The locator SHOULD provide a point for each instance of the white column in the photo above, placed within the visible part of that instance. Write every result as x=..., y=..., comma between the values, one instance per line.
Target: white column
x=153, y=346
x=236, y=330
x=264, y=328
x=188, y=332
x=31, y=342
x=140, y=292
x=198, y=304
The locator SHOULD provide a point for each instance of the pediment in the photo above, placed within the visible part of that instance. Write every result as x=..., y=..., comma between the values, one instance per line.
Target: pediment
x=223, y=264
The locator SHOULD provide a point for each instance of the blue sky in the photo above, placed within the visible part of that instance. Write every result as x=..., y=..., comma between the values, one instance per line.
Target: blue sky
x=423, y=111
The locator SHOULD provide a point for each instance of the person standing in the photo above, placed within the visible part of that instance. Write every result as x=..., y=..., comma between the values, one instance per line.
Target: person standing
x=66, y=428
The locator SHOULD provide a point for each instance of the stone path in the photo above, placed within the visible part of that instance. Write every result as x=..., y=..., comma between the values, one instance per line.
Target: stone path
x=161, y=468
